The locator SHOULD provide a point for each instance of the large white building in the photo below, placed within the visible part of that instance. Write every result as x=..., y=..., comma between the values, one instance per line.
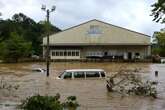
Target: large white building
x=97, y=39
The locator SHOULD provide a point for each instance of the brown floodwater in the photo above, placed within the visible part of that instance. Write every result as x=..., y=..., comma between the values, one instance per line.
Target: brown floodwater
x=91, y=93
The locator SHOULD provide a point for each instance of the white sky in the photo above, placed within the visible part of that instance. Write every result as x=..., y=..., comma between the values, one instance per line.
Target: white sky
x=131, y=14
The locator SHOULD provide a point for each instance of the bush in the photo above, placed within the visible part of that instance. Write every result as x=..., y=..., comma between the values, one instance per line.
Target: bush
x=71, y=103
x=39, y=102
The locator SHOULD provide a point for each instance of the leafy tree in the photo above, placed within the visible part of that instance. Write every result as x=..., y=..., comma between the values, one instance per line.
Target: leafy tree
x=159, y=11
x=21, y=18
x=14, y=48
x=161, y=39
x=6, y=27
x=160, y=48
x=27, y=28
x=156, y=50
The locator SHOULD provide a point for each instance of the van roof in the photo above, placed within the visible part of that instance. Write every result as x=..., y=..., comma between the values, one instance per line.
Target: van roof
x=73, y=70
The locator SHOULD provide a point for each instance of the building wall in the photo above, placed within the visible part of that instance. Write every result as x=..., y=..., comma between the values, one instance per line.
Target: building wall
x=107, y=34
x=98, y=38
x=118, y=50
x=81, y=52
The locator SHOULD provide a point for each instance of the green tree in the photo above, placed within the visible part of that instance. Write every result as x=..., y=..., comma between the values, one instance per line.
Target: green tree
x=158, y=11
x=160, y=46
x=161, y=39
x=21, y=18
x=14, y=48
x=27, y=28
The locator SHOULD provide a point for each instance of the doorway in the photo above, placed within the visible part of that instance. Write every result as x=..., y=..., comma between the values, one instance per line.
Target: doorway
x=129, y=55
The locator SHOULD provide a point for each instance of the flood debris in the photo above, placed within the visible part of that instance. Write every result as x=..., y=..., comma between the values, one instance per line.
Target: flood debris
x=128, y=82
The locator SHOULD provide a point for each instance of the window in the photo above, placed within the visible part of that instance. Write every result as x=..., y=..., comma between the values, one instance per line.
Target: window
x=73, y=53
x=102, y=74
x=57, y=53
x=77, y=53
x=79, y=75
x=69, y=53
x=94, y=30
x=53, y=53
x=95, y=53
x=67, y=75
x=92, y=74
x=61, y=53
x=65, y=53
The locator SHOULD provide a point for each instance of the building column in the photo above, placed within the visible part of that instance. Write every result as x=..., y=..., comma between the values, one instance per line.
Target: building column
x=149, y=50
x=44, y=52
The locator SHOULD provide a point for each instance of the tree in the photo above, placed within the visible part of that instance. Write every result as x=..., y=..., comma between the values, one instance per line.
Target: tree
x=14, y=48
x=159, y=11
x=21, y=18
x=26, y=27
x=32, y=31
x=161, y=39
x=160, y=43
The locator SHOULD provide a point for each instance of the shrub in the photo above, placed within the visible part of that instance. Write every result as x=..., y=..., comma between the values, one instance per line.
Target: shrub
x=71, y=103
x=39, y=102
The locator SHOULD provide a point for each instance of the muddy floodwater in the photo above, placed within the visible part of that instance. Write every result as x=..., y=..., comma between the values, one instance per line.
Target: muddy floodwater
x=91, y=93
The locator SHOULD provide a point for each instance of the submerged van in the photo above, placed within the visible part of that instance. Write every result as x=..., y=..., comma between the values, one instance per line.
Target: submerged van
x=82, y=73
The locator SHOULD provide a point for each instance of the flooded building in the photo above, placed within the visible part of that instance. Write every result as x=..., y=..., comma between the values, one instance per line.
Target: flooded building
x=97, y=39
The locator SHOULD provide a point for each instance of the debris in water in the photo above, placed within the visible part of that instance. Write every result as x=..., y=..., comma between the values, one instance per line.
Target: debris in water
x=129, y=83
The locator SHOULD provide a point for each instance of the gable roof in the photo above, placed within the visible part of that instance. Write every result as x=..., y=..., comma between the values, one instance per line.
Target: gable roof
x=65, y=37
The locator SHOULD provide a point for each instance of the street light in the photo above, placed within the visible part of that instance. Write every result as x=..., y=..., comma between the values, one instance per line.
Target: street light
x=48, y=11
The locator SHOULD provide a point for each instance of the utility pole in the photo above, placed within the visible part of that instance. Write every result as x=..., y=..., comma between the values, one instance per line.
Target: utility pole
x=47, y=46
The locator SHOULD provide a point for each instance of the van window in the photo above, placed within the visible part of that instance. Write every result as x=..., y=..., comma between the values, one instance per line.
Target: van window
x=102, y=74
x=92, y=74
x=67, y=75
x=79, y=75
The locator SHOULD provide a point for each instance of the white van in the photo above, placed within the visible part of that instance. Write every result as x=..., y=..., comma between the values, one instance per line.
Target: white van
x=82, y=73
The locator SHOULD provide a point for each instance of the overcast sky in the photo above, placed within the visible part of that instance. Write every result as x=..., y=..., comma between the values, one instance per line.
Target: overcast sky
x=131, y=14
